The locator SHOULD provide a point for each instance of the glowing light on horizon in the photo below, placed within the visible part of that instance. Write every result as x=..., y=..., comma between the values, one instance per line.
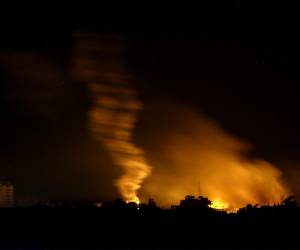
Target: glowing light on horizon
x=195, y=154
x=219, y=205
x=135, y=200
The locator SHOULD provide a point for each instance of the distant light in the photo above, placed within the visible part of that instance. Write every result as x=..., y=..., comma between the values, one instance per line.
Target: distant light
x=98, y=204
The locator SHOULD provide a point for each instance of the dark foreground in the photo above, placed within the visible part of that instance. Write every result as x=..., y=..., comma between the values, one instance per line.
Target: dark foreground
x=149, y=228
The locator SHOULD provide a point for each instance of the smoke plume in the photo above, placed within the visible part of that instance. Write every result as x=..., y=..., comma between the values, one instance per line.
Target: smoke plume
x=98, y=61
x=192, y=154
x=112, y=121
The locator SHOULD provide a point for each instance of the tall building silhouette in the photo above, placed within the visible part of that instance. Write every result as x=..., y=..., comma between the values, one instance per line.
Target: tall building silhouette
x=6, y=195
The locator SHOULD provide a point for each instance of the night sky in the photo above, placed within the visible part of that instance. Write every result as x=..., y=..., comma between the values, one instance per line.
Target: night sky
x=237, y=63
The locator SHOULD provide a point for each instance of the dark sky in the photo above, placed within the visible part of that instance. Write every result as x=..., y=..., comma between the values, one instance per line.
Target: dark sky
x=236, y=62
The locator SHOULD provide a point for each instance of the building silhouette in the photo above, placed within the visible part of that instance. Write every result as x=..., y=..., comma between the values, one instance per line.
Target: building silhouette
x=6, y=195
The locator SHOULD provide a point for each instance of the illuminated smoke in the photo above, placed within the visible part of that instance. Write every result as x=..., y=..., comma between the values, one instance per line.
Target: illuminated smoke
x=194, y=155
x=98, y=61
x=112, y=121
x=191, y=153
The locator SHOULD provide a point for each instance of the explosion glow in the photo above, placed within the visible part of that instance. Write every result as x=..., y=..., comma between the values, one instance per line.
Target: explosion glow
x=196, y=156
x=217, y=204
x=184, y=146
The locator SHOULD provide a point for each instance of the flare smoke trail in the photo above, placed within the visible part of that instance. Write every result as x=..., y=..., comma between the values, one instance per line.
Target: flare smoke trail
x=112, y=121
x=98, y=60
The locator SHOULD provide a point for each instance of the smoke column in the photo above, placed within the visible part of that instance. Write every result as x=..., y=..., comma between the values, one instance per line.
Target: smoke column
x=112, y=118
x=112, y=121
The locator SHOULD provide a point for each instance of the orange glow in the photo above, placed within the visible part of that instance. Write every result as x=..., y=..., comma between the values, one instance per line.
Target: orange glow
x=135, y=200
x=194, y=155
x=218, y=204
